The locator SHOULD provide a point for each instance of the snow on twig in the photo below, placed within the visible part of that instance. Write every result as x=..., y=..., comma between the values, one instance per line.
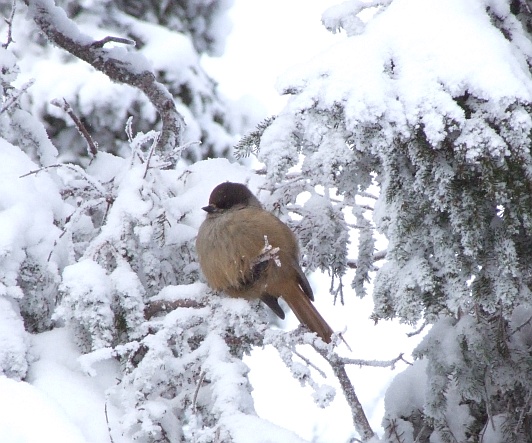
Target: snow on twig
x=116, y=63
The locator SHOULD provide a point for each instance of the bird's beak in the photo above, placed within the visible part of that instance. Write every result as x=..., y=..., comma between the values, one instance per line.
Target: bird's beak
x=210, y=208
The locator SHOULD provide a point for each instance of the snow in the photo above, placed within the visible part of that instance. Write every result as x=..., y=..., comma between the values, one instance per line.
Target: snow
x=411, y=67
x=13, y=342
x=65, y=395
x=27, y=415
x=57, y=402
x=29, y=205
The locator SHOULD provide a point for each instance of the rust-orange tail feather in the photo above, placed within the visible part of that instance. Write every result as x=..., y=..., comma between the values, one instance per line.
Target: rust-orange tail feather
x=307, y=314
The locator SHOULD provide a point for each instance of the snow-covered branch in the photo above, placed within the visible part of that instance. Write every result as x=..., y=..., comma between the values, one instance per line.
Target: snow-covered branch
x=119, y=65
x=378, y=256
x=286, y=346
x=9, y=22
x=373, y=363
x=337, y=364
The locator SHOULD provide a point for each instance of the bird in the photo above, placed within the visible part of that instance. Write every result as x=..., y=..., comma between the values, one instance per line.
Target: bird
x=247, y=252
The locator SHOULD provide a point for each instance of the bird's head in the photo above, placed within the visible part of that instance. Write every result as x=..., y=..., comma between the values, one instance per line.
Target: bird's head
x=228, y=195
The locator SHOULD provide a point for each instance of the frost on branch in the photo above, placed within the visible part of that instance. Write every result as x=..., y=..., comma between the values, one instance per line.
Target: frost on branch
x=132, y=294
x=86, y=304
x=185, y=378
x=437, y=125
x=112, y=258
x=182, y=30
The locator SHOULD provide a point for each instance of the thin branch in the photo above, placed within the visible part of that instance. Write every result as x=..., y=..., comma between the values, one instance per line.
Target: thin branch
x=360, y=420
x=309, y=363
x=75, y=216
x=378, y=256
x=92, y=148
x=9, y=22
x=108, y=39
x=77, y=169
x=108, y=425
x=417, y=331
x=163, y=306
x=373, y=363
x=150, y=154
x=521, y=326
x=369, y=195
x=16, y=96
x=120, y=66
x=196, y=392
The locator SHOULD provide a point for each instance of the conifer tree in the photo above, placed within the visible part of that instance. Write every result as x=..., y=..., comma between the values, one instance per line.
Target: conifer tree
x=425, y=133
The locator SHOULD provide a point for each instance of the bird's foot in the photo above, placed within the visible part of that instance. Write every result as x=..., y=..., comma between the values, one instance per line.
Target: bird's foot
x=268, y=253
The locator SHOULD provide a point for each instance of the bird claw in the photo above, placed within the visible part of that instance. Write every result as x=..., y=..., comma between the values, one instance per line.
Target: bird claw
x=268, y=253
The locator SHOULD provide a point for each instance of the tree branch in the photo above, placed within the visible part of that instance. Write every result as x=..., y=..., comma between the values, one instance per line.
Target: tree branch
x=380, y=255
x=92, y=148
x=360, y=420
x=13, y=98
x=9, y=22
x=118, y=64
x=373, y=363
x=103, y=41
x=164, y=306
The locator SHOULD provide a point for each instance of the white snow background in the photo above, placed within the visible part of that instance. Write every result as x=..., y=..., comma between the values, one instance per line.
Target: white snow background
x=63, y=397
x=269, y=38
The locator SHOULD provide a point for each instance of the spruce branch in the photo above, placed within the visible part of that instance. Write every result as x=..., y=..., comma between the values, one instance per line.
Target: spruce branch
x=392, y=432
x=121, y=67
x=249, y=144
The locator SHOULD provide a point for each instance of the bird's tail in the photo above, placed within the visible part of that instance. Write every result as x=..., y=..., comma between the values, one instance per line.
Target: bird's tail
x=307, y=314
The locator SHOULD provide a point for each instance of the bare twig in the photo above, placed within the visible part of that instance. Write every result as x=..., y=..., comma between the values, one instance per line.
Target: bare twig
x=417, y=331
x=123, y=67
x=92, y=146
x=521, y=326
x=150, y=154
x=195, y=399
x=9, y=22
x=108, y=425
x=77, y=169
x=108, y=39
x=16, y=96
x=309, y=363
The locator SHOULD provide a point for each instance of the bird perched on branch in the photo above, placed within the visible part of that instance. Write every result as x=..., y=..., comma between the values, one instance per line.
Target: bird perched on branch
x=249, y=253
